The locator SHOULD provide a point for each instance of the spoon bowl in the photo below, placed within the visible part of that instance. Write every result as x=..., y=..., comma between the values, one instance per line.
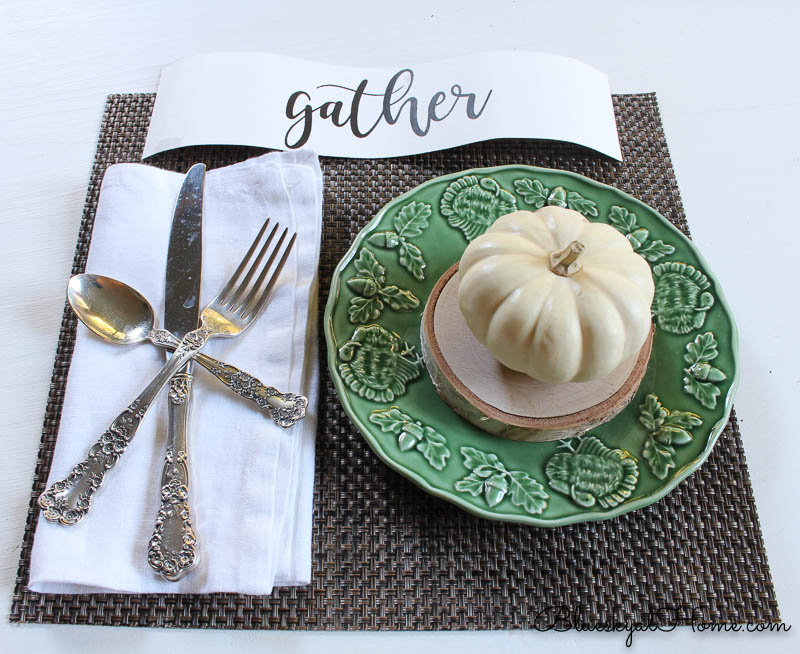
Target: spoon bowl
x=112, y=310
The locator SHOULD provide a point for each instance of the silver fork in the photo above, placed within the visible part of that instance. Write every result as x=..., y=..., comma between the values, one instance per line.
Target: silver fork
x=228, y=314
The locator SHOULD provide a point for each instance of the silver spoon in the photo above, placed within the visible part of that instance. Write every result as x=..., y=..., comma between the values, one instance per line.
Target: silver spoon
x=121, y=315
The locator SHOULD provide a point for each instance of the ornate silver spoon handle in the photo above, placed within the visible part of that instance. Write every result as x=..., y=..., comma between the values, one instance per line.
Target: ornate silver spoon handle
x=172, y=551
x=69, y=500
x=284, y=408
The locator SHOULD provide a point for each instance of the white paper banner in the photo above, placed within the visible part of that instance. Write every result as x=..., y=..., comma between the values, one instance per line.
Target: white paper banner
x=283, y=103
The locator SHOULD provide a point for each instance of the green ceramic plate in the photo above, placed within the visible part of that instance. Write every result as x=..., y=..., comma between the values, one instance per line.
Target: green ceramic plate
x=372, y=325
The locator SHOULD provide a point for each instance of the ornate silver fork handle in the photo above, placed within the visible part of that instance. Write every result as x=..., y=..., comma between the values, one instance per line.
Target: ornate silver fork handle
x=69, y=500
x=284, y=408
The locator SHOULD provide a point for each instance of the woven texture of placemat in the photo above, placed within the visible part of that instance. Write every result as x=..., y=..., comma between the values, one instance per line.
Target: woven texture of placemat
x=388, y=556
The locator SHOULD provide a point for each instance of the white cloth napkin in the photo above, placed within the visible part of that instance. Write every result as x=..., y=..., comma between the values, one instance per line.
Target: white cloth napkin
x=252, y=481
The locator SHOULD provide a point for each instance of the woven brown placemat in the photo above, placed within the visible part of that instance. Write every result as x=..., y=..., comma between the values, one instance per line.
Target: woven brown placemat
x=387, y=556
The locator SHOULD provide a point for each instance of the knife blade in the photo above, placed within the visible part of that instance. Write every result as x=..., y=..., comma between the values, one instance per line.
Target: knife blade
x=185, y=256
x=172, y=551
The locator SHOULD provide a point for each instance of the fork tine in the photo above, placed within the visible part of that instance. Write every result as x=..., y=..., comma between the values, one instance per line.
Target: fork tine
x=258, y=302
x=242, y=286
x=222, y=295
x=241, y=305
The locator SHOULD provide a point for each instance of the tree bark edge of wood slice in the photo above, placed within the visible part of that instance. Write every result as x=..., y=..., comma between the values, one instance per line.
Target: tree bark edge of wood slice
x=493, y=420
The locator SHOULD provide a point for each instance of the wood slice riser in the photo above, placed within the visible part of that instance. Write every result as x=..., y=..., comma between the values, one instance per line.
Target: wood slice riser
x=500, y=423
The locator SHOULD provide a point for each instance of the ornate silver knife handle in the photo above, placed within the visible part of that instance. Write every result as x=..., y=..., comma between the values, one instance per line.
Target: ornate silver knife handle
x=173, y=547
x=285, y=409
x=69, y=500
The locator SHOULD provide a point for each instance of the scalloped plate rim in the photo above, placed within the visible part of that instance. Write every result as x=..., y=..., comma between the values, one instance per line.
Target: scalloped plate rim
x=461, y=501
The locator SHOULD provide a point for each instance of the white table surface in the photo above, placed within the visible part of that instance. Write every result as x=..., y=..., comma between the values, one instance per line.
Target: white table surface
x=727, y=83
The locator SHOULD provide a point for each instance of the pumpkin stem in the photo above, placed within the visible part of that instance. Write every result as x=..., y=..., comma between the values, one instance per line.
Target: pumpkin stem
x=566, y=262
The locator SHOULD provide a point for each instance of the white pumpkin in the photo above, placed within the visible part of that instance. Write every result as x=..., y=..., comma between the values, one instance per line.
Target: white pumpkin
x=556, y=296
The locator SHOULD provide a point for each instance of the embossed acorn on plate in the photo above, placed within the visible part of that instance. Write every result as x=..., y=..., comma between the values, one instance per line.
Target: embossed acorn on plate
x=666, y=430
x=490, y=478
x=535, y=193
x=409, y=223
x=412, y=434
x=370, y=284
x=701, y=378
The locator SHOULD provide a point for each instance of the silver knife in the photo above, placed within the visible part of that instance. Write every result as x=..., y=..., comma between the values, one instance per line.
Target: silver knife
x=173, y=547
